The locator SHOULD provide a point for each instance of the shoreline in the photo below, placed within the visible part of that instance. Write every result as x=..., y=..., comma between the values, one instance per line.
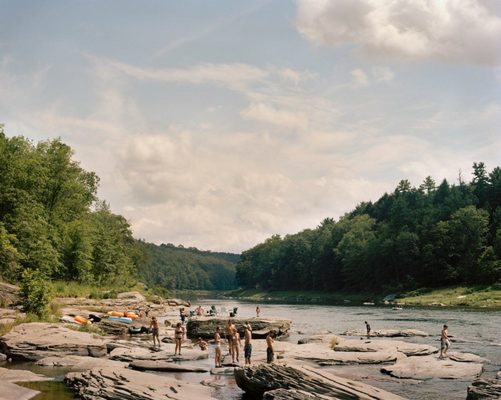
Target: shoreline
x=462, y=298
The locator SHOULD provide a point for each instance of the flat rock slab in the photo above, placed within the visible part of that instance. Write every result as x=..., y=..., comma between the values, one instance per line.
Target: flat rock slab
x=79, y=362
x=37, y=340
x=263, y=378
x=409, y=349
x=206, y=326
x=466, y=357
x=322, y=354
x=21, y=375
x=163, y=366
x=388, y=333
x=429, y=367
x=139, y=353
x=11, y=391
x=106, y=383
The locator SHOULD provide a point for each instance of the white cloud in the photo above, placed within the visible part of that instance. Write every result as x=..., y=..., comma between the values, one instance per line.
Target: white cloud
x=464, y=31
x=266, y=113
x=360, y=78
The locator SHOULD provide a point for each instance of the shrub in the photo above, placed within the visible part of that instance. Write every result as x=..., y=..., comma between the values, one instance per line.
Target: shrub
x=36, y=292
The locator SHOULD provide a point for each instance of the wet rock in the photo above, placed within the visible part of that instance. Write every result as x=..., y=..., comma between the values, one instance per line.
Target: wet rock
x=164, y=366
x=428, y=367
x=107, y=383
x=205, y=326
x=484, y=388
x=37, y=340
x=263, y=378
x=388, y=333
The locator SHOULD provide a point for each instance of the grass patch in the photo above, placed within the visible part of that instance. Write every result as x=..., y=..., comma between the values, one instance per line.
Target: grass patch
x=472, y=296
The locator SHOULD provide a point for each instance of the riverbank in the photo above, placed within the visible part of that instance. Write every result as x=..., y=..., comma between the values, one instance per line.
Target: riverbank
x=488, y=297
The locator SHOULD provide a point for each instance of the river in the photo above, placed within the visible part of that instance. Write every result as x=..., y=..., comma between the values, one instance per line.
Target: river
x=475, y=332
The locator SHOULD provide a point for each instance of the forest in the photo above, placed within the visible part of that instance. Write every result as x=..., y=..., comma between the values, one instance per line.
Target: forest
x=425, y=237
x=54, y=227
x=174, y=267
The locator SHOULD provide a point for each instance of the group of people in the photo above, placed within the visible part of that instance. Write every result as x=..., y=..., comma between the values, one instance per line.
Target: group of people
x=178, y=335
x=231, y=334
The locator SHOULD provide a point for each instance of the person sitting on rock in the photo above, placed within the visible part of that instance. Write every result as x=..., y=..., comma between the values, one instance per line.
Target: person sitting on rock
x=203, y=344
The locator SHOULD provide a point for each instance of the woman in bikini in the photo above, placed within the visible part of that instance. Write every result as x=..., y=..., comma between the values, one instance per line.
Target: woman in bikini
x=178, y=337
x=217, y=340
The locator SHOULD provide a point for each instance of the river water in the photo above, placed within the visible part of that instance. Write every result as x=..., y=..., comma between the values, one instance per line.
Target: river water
x=475, y=332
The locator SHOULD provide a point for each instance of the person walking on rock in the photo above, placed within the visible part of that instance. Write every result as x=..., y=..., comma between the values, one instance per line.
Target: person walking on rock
x=445, y=342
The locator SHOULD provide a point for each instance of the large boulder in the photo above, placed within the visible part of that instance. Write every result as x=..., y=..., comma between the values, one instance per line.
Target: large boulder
x=257, y=380
x=9, y=294
x=206, y=326
x=484, y=388
x=125, y=384
x=36, y=340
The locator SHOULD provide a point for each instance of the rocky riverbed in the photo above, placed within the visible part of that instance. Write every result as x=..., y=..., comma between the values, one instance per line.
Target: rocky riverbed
x=121, y=366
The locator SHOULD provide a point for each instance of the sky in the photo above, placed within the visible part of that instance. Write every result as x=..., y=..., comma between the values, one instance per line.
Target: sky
x=216, y=124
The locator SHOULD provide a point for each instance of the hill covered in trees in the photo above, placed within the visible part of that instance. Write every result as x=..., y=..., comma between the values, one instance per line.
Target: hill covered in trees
x=54, y=227
x=430, y=236
x=174, y=267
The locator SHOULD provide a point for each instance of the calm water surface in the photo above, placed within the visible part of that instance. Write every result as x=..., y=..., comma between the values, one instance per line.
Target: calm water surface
x=475, y=332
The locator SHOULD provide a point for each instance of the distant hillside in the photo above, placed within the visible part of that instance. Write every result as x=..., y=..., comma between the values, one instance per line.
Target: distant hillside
x=174, y=267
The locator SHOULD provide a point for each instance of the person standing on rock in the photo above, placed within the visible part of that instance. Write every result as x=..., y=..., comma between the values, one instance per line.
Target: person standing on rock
x=178, y=337
x=228, y=334
x=235, y=344
x=217, y=341
x=258, y=310
x=270, y=351
x=368, y=328
x=248, y=344
x=154, y=331
x=445, y=343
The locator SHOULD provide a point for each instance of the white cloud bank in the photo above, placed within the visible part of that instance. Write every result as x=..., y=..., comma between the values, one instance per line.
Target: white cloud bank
x=464, y=31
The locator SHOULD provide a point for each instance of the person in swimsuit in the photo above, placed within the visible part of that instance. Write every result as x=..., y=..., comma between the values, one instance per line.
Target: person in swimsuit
x=154, y=331
x=270, y=351
x=217, y=341
x=178, y=337
x=228, y=334
x=248, y=344
x=235, y=344
x=445, y=343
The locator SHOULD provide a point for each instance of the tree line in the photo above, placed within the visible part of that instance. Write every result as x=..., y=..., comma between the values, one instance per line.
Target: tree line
x=429, y=236
x=54, y=227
